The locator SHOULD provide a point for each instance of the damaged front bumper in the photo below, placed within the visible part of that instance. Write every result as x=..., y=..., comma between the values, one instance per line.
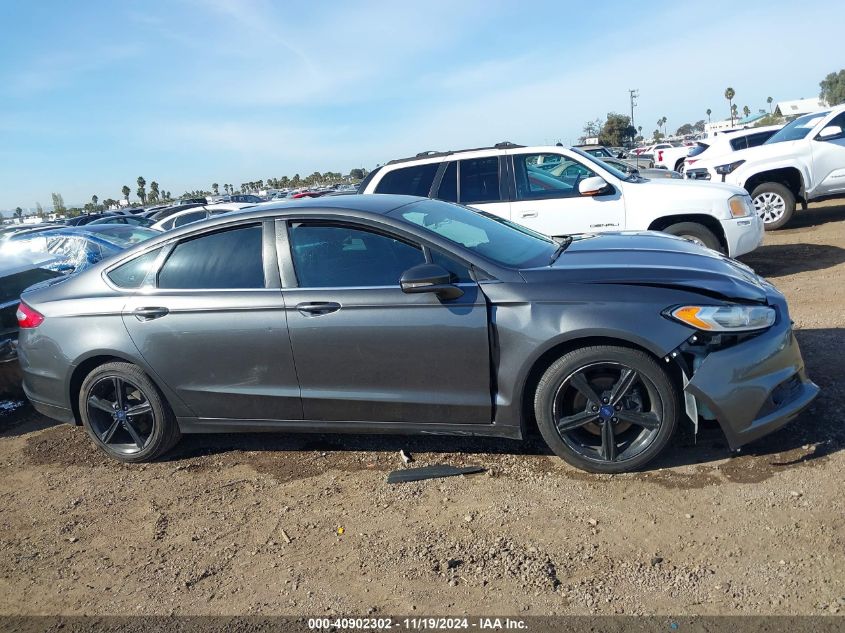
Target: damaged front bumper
x=754, y=387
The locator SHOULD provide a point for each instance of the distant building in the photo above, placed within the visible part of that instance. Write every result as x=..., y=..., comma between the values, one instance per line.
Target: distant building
x=792, y=109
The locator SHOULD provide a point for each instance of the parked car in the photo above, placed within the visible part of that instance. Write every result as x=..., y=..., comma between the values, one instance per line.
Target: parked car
x=9, y=230
x=628, y=169
x=74, y=249
x=602, y=153
x=719, y=146
x=196, y=214
x=160, y=214
x=17, y=273
x=82, y=220
x=131, y=220
x=247, y=198
x=410, y=315
x=560, y=191
x=804, y=161
x=199, y=200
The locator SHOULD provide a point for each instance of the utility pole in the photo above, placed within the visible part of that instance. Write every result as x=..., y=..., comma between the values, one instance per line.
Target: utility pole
x=633, y=94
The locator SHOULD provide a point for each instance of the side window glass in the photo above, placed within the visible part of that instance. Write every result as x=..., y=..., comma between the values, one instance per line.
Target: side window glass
x=343, y=256
x=411, y=181
x=460, y=273
x=132, y=273
x=228, y=259
x=449, y=185
x=188, y=218
x=540, y=176
x=479, y=180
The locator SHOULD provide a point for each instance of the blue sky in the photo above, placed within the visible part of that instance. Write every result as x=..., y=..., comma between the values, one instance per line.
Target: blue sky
x=94, y=94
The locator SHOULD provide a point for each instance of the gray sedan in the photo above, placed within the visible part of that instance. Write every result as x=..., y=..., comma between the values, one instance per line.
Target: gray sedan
x=394, y=314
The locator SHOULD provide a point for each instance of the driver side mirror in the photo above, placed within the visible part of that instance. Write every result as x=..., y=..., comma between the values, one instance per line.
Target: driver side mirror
x=429, y=278
x=830, y=132
x=592, y=186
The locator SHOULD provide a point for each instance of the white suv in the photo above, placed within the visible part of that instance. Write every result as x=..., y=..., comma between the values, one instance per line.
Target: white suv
x=804, y=161
x=559, y=191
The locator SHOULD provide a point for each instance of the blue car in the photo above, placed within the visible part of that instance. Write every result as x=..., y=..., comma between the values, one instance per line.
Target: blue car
x=76, y=248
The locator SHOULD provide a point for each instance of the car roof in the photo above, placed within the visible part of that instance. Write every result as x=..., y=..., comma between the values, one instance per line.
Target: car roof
x=439, y=154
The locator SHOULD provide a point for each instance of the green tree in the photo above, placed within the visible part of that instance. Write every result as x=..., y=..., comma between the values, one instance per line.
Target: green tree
x=142, y=190
x=734, y=113
x=616, y=130
x=94, y=200
x=656, y=135
x=769, y=101
x=833, y=88
x=126, y=191
x=591, y=129
x=18, y=213
x=730, y=93
x=709, y=112
x=58, y=203
x=746, y=111
x=215, y=188
x=685, y=129
x=357, y=174
x=154, y=191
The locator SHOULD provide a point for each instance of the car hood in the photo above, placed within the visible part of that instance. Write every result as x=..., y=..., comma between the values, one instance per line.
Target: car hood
x=652, y=259
x=686, y=190
x=751, y=154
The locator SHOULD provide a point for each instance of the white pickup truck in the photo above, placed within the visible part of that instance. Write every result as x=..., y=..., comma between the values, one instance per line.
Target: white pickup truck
x=804, y=161
x=559, y=191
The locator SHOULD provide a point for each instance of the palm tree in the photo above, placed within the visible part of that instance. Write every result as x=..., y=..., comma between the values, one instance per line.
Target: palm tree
x=769, y=101
x=126, y=191
x=730, y=93
x=215, y=188
x=154, y=193
x=734, y=113
x=142, y=192
x=746, y=111
x=94, y=200
x=18, y=213
x=709, y=112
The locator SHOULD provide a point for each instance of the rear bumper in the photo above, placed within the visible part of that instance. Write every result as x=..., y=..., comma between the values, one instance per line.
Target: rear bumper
x=52, y=411
x=755, y=387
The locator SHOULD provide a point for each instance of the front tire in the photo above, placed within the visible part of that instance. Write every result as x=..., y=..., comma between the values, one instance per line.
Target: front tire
x=695, y=232
x=125, y=414
x=606, y=409
x=775, y=204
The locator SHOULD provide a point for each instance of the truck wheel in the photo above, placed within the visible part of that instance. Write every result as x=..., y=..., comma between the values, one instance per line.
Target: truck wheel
x=695, y=232
x=775, y=204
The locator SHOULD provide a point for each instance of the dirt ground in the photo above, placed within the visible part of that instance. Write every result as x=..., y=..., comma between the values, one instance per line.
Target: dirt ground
x=307, y=525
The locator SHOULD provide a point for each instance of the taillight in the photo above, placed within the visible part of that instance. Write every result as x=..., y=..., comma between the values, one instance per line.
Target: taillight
x=28, y=317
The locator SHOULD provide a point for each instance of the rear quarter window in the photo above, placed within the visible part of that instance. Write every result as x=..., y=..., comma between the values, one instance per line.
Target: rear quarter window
x=411, y=181
x=132, y=273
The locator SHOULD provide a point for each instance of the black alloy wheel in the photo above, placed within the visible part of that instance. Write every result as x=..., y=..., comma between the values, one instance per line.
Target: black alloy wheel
x=125, y=413
x=606, y=409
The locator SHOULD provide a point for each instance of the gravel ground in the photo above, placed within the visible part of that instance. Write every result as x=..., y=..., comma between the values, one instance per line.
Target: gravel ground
x=306, y=525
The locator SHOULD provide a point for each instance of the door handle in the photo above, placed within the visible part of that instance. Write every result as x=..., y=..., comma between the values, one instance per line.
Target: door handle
x=528, y=214
x=318, y=308
x=148, y=314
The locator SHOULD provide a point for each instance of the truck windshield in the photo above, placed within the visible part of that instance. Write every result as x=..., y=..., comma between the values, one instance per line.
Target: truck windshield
x=797, y=129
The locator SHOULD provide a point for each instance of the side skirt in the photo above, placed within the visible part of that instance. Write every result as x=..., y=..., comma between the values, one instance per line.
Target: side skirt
x=219, y=425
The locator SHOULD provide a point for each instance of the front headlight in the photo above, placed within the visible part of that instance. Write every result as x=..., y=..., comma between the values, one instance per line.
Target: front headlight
x=724, y=170
x=740, y=206
x=724, y=318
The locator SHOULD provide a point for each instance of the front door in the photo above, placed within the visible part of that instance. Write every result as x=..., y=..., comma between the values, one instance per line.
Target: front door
x=547, y=197
x=365, y=350
x=214, y=331
x=829, y=160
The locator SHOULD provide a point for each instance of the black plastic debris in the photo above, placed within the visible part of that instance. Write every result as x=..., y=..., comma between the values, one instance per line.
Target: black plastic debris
x=431, y=472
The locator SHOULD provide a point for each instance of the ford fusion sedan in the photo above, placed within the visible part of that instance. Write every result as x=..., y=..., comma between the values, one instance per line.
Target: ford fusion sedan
x=397, y=314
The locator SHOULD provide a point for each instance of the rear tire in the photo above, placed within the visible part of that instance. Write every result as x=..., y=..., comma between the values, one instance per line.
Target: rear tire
x=775, y=204
x=125, y=414
x=642, y=412
x=695, y=232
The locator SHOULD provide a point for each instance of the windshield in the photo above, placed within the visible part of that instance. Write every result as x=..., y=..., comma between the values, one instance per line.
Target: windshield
x=610, y=168
x=495, y=239
x=698, y=149
x=798, y=129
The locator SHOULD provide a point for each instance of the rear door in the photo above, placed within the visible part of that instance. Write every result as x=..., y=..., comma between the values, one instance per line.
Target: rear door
x=479, y=182
x=210, y=321
x=365, y=350
x=547, y=199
